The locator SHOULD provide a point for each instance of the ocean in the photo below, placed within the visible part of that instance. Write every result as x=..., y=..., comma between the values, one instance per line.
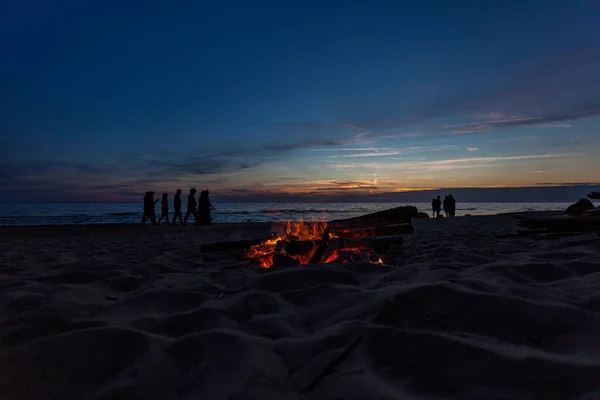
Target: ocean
x=131, y=213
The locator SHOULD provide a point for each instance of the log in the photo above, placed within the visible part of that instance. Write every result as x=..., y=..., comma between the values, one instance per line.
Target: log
x=594, y=195
x=231, y=245
x=318, y=254
x=382, y=244
x=375, y=231
x=392, y=216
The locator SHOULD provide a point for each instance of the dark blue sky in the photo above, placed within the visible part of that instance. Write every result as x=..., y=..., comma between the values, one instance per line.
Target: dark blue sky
x=106, y=99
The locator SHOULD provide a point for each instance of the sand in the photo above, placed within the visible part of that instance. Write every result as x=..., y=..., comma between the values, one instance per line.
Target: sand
x=132, y=312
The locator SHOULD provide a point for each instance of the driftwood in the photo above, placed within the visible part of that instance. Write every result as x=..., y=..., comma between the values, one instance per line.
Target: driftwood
x=594, y=195
x=231, y=245
x=559, y=226
x=396, y=215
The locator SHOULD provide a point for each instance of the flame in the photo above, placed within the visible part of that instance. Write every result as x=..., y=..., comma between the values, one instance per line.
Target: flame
x=263, y=253
x=332, y=257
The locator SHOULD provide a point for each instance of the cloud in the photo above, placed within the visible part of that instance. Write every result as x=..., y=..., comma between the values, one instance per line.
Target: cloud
x=536, y=120
x=130, y=172
x=568, y=184
x=510, y=139
x=373, y=154
x=562, y=144
x=473, y=148
x=444, y=165
x=554, y=126
x=357, y=149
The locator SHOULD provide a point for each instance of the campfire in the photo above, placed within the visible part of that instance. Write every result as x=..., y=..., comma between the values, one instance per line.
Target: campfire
x=312, y=242
x=362, y=239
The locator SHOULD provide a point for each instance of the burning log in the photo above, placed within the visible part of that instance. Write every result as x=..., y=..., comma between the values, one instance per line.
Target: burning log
x=231, y=245
x=320, y=251
x=375, y=231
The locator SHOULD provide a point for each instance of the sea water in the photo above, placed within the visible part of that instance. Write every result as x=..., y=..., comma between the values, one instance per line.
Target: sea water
x=130, y=213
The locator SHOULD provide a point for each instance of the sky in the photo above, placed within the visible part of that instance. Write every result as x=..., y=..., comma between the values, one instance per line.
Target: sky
x=297, y=100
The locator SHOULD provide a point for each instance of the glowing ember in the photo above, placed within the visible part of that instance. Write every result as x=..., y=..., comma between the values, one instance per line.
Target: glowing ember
x=300, y=241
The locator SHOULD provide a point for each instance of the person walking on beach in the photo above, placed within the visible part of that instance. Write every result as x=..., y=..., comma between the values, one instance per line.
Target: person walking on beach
x=436, y=205
x=204, y=207
x=149, y=208
x=191, y=207
x=164, y=208
x=177, y=207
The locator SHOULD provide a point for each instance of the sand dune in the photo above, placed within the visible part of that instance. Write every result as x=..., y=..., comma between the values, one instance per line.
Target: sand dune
x=105, y=312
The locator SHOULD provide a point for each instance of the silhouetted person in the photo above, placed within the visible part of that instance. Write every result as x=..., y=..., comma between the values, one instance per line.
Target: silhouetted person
x=164, y=208
x=191, y=207
x=446, y=206
x=452, y=204
x=436, y=206
x=204, y=207
x=177, y=207
x=149, y=208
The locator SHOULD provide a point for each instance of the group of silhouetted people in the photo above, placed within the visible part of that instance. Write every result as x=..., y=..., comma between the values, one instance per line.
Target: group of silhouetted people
x=200, y=210
x=449, y=205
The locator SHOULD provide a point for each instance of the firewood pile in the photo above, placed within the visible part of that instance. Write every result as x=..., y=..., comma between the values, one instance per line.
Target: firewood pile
x=581, y=217
x=367, y=238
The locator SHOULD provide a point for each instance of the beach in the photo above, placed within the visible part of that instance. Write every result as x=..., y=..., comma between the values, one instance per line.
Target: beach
x=462, y=310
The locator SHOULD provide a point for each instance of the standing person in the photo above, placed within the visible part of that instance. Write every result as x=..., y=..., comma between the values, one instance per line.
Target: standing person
x=149, y=208
x=452, y=203
x=446, y=206
x=204, y=207
x=177, y=207
x=436, y=205
x=191, y=207
x=164, y=208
